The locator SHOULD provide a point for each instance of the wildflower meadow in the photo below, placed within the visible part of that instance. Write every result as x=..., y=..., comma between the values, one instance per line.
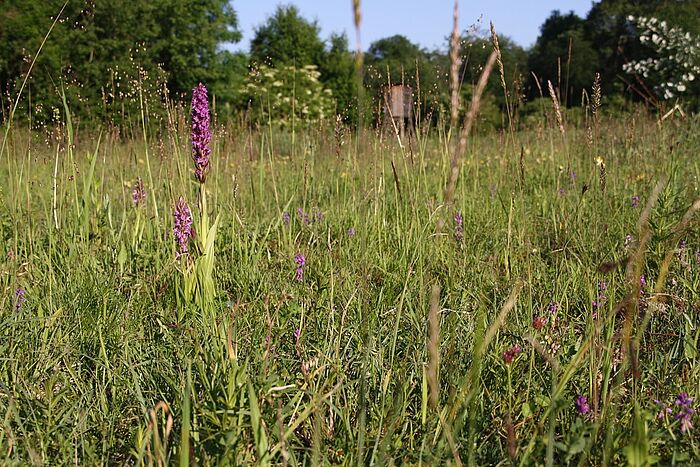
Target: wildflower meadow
x=197, y=290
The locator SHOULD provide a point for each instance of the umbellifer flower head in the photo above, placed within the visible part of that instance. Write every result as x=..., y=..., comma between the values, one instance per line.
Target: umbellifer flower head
x=201, y=134
x=182, y=229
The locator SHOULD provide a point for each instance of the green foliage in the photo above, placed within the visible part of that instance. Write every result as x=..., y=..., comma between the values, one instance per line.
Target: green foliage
x=338, y=74
x=564, y=56
x=286, y=38
x=105, y=56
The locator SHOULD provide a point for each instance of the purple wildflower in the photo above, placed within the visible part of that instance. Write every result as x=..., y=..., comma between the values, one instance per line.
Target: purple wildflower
x=351, y=232
x=459, y=227
x=297, y=334
x=182, y=229
x=286, y=218
x=303, y=217
x=628, y=240
x=581, y=404
x=573, y=178
x=20, y=298
x=511, y=353
x=201, y=134
x=138, y=193
x=686, y=411
x=300, y=260
x=601, y=300
x=562, y=192
x=664, y=410
x=635, y=202
x=553, y=307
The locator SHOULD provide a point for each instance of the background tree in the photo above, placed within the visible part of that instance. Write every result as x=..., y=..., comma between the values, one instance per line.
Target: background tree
x=338, y=74
x=99, y=55
x=286, y=38
x=474, y=52
x=564, y=56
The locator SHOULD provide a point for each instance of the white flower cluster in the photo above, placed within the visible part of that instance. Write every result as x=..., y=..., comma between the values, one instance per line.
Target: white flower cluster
x=678, y=60
x=286, y=92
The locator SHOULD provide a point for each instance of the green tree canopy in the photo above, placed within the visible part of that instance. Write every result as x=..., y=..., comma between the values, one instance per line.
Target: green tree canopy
x=338, y=74
x=99, y=53
x=565, y=56
x=287, y=38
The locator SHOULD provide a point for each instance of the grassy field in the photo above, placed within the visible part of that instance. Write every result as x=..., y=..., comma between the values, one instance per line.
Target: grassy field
x=402, y=341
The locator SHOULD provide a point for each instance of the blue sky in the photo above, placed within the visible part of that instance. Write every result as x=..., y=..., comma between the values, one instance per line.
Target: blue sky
x=426, y=22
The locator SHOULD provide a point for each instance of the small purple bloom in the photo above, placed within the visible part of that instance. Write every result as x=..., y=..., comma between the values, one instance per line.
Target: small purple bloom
x=628, y=240
x=182, y=229
x=299, y=276
x=642, y=281
x=20, y=298
x=581, y=404
x=297, y=334
x=573, y=177
x=138, y=193
x=686, y=411
x=601, y=300
x=459, y=227
x=511, y=353
x=303, y=217
x=286, y=218
x=351, y=232
x=201, y=134
x=300, y=260
x=664, y=410
x=635, y=202
x=553, y=307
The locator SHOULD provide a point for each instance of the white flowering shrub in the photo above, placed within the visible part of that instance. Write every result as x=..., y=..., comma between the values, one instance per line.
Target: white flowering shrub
x=677, y=61
x=282, y=93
